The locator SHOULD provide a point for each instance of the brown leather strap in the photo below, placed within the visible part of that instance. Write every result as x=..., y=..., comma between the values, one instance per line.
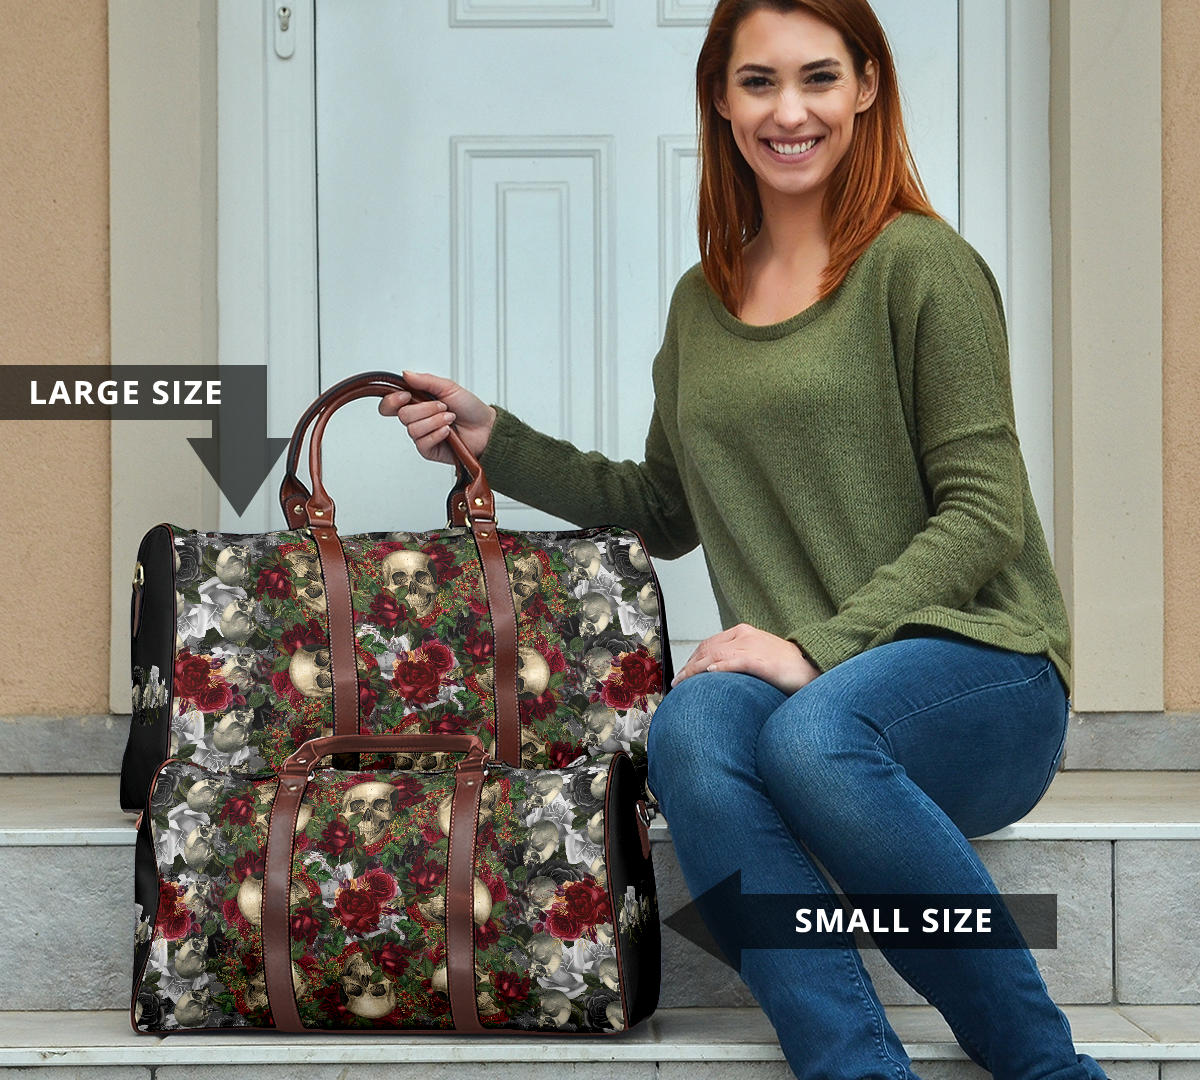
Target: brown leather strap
x=276, y=902
x=460, y=896
x=308, y=754
x=339, y=609
x=504, y=629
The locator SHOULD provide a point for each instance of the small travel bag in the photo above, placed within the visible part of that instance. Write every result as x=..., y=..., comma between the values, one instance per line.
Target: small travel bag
x=473, y=898
x=549, y=646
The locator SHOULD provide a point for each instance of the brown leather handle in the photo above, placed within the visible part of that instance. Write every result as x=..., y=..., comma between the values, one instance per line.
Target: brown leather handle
x=312, y=751
x=294, y=495
x=319, y=509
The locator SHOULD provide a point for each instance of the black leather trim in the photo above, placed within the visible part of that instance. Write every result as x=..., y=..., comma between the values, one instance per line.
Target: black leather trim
x=153, y=646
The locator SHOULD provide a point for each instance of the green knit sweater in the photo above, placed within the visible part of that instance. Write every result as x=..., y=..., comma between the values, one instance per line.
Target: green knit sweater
x=848, y=472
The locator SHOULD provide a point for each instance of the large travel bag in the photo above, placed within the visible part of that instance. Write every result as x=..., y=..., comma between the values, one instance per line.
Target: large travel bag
x=548, y=646
x=477, y=898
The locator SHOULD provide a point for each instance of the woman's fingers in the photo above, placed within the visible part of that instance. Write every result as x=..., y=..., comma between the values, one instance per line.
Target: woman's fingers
x=437, y=420
x=438, y=385
x=389, y=404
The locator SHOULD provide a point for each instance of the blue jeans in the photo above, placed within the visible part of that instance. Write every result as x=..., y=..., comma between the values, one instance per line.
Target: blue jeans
x=881, y=768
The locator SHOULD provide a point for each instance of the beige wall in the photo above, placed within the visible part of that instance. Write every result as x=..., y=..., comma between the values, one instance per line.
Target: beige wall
x=1181, y=352
x=54, y=547
x=54, y=278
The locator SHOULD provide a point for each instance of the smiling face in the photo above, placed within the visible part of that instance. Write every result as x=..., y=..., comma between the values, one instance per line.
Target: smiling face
x=790, y=80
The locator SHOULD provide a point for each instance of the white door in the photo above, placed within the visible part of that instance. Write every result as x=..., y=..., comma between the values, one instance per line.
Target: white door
x=506, y=195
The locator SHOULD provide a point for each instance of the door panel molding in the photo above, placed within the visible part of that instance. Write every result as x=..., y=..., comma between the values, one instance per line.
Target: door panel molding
x=531, y=13
x=565, y=256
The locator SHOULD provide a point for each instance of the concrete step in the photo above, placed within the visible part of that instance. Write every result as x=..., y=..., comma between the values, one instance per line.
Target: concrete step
x=1131, y=1042
x=1120, y=850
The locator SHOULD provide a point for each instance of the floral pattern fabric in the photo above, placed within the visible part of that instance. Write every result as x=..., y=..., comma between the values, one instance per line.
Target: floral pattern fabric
x=554, y=926
x=252, y=677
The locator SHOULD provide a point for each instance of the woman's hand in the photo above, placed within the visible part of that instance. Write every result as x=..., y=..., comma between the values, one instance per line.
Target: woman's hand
x=746, y=648
x=428, y=422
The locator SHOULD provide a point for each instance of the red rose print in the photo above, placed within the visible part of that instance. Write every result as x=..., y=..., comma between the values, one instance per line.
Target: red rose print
x=640, y=670
x=444, y=567
x=215, y=697
x=383, y=549
x=329, y=1001
x=239, y=810
x=637, y=674
x=337, y=837
x=615, y=694
x=281, y=682
x=380, y=884
x=191, y=673
x=233, y=915
x=358, y=909
x=538, y=708
x=249, y=865
x=586, y=902
x=274, y=582
x=437, y=655
x=563, y=753
x=479, y=647
x=510, y=986
x=408, y=789
x=416, y=682
x=392, y=959
x=497, y=888
x=563, y=925
x=304, y=925
x=431, y=834
x=367, y=696
x=174, y=919
x=446, y=725
x=424, y=874
x=535, y=609
x=487, y=935
x=309, y=633
x=385, y=611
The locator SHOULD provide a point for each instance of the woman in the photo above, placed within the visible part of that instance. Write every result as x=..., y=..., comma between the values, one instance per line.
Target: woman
x=833, y=422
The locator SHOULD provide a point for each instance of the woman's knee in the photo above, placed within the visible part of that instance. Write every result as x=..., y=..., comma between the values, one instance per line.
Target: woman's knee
x=708, y=720
x=813, y=747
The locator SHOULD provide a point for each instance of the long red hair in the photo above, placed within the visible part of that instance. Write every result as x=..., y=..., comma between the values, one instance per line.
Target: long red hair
x=875, y=179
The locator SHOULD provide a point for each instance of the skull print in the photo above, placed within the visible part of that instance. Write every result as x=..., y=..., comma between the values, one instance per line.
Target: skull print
x=310, y=671
x=237, y=621
x=373, y=805
x=368, y=991
x=595, y=614
x=408, y=576
x=233, y=565
x=310, y=586
x=526, y=579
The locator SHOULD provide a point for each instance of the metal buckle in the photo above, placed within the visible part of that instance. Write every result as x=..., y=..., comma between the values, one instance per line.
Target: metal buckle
x=139, y=576
x=644, y=814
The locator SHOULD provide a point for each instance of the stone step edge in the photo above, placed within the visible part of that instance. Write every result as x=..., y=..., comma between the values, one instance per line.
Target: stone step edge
x=1095, y=740
x=669, y=1035
x=123, y=836
x=87, y=813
